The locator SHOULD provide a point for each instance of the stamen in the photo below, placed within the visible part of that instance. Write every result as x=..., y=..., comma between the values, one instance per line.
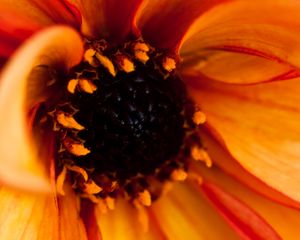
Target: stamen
x=199, y=118
x=60, y=181
x=87, y=86
x=140, y=52
x=91, y=187
x=144, y=198
x=124, y=63
x=179, y=175
x=169, y=64
x=199, y=154
x=79, y=170
x=72, y=84
x=89, y=56
x=77, y=149
x=107, y=63
x=68, y=121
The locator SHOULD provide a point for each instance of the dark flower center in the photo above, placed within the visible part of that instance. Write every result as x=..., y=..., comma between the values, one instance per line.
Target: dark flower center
x=123, y=123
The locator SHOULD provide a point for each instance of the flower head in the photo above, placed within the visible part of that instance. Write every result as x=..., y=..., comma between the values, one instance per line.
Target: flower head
x=97, y=123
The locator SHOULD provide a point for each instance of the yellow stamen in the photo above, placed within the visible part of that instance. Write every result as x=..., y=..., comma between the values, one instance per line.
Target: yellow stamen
x=140, y=51
x=60, y=181
x=68, y=121
x=107, y=63
x=145, y=198
x=77, y=149
x=87, y=86
x=140, y=46
x=89, y=56
x=124, y=63
x=169, y=64
x=72, y=84
x=91, y=187
x=179, y=175
x=79, y=170
x=110, y=202
x=199, y=154
x=199, y=118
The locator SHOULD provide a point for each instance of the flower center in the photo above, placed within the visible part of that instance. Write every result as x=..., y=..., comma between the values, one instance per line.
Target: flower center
x=124, y=125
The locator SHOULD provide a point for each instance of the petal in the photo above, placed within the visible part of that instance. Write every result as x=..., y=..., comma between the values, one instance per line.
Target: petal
x=20, y=165
x=259, y=125
x=222, y=158
x=244, y=42
x=14, y=29
x=112, y=20
x=164, y=22
x=70, y=222
x=45, y=12
x=247, y=223
x=123, y=223
x=27, y=216
x=283, y=219
x=185, y=214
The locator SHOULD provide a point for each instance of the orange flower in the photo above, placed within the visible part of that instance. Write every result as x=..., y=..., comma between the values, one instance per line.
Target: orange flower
x=239, y=61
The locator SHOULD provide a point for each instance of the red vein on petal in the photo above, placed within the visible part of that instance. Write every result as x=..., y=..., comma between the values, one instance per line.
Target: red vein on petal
x=275, y=196
x=247, y=223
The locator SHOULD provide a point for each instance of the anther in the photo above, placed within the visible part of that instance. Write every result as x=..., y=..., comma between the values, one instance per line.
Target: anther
x=199, y=118
x=144, y=198
x=79, y=170
x=87, y=86
x=178, y=175
x=169, y=64
x=72, y=84
x=140, y=51
x=89, y=56
x=75, y=148
x=68, y=121
x=199, y=154
x=124, y=64
x=91, y=187
x=107, y=63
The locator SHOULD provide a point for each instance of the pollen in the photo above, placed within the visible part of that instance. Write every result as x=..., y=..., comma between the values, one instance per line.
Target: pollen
x=87, y=86
x=199, y=154
x=72, y=84
x=179, y=175
x=145, y=198
x=107, y=63
x=91, y=187
x=199, y=118
x=75, y=148
x=124, y=63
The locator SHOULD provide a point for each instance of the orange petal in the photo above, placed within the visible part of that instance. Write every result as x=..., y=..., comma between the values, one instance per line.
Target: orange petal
x=27, y=216
x=19, y=165
x=45, y=12
x=112, y=19
x=70, y=222
x=185, y=214
x=259, y=125
x=224, y=160
x=10, y=39
x=283, y=219
x=245, y=42
x=247, y=223
x=123, y=223
x=163, y=23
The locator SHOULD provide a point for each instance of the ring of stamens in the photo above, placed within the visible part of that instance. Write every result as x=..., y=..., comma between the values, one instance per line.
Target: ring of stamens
x=84, y=121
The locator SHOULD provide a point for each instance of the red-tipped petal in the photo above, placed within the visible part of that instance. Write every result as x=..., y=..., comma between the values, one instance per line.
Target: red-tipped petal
x=259, y=125
x=283, y=219
x=112, y=20
x=163, y=23
x=247, y=223
x=244, y=42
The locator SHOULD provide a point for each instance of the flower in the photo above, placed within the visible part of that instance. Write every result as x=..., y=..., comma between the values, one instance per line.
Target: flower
x=240, y=64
